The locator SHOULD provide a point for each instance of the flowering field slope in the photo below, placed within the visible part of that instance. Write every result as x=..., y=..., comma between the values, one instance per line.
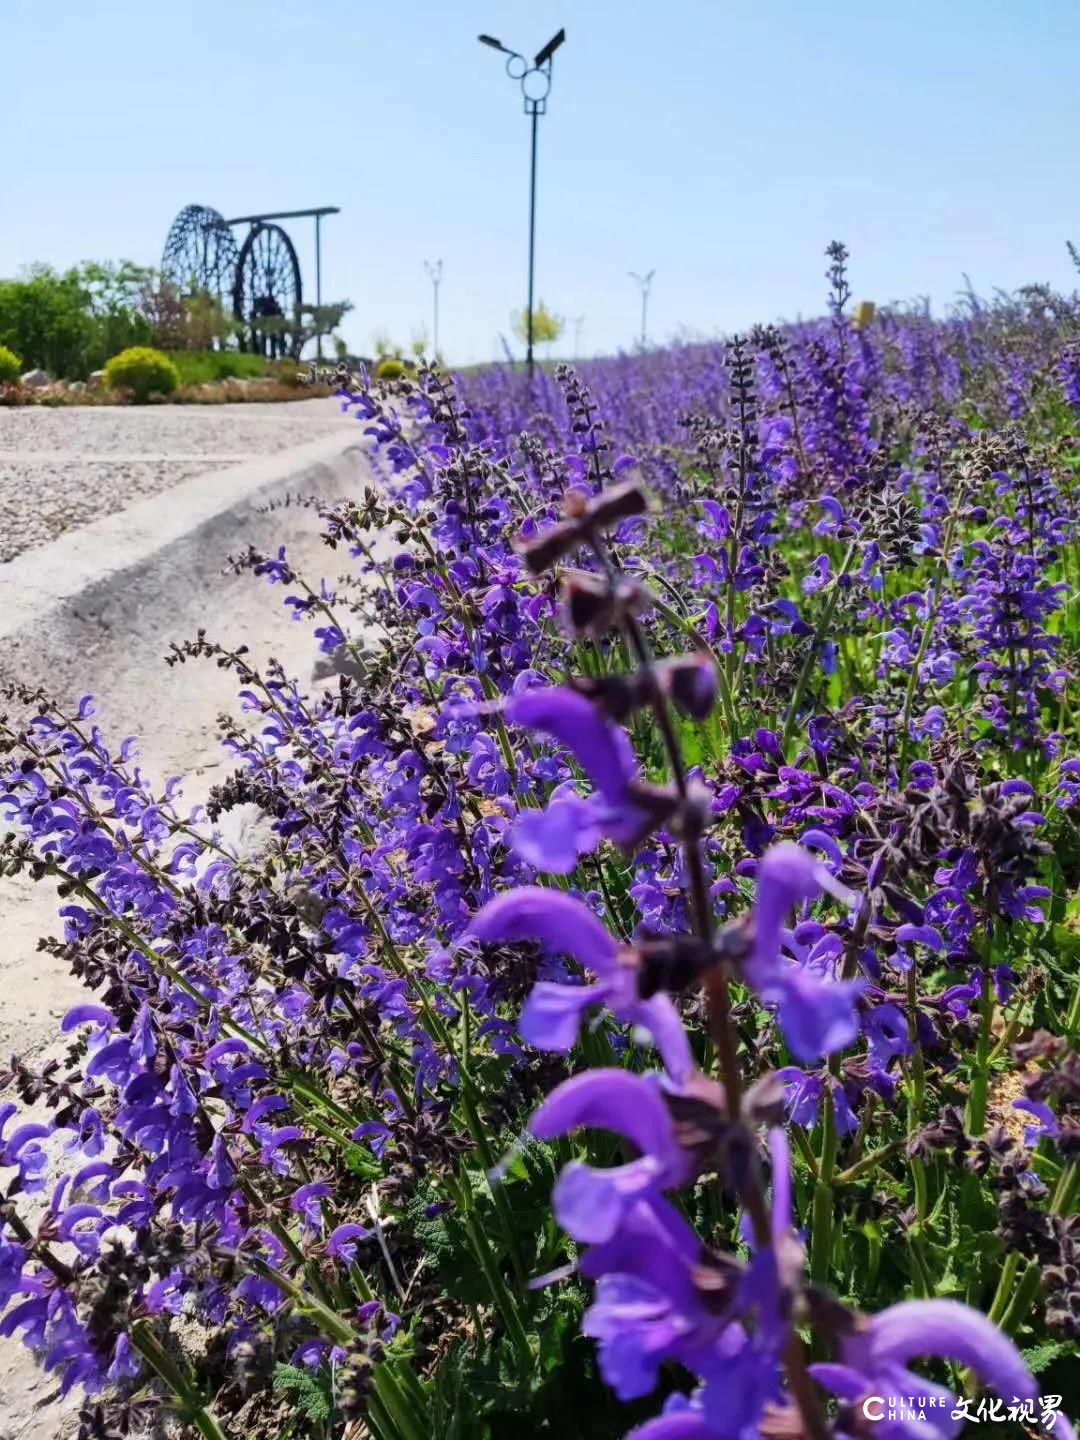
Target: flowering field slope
x=658, y=1008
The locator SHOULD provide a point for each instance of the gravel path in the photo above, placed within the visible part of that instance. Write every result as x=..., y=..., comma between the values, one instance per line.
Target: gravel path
x=62, y=467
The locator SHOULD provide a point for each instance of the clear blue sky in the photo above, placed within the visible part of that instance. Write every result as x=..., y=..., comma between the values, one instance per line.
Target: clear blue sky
x=721, y=142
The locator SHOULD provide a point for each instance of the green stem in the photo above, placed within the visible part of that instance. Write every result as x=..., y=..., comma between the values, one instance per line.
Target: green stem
x=824, y=621
x=487, y=1159
x=868, y=1162
x=504, y=1301
x=802, y=1144
x=916, y=1090
x=922, y=1266
x=1006, y=1286
x=980, y=1081
x=1023, y=1295
x=821, y=1232
x=188, y=1400
x=397, y=1404
x=330, y=1323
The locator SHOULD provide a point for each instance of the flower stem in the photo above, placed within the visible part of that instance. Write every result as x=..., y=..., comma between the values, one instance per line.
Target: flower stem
x=980, y=1080
x=824, y=621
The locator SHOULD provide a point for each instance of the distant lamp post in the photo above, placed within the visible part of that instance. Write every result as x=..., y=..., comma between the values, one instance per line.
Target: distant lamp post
x=435, y=275
x=579, y=321
x=535, y=83
x=645, y=281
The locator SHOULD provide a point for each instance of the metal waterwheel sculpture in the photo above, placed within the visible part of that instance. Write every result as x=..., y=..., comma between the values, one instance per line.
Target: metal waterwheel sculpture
x=267, y=296
x=200, y=254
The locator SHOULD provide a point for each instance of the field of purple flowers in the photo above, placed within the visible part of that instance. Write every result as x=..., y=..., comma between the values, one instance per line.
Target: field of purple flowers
x=657, y=1011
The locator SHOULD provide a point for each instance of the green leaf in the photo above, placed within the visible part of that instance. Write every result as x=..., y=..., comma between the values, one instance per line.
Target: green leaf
x=1040, y=1357
x=307, y=1391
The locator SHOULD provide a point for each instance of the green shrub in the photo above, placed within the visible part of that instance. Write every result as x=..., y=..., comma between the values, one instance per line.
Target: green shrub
x=203, y=367
x=143, y=371
x=10, y=366
x=390, y=369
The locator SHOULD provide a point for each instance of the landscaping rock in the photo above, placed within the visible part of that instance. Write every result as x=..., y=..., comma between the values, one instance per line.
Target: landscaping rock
x=95, y=380
x=77, y=387
x=35, y=379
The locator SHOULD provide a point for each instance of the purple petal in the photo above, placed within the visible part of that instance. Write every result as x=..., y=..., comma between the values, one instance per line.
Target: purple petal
x=780, y=1154
x=552, y=1015
x=682, y=1425
x=550, y=917
x=660, y=1017
x=611, y=1099
x=818, y=1017
x=920, y=935
x=590, y=1204
x=952, y=1331
x=841, y=1380
x=87, y=1015
x=553, y=839
x=786, y=876
x=1047, y=1120
x=601, y=749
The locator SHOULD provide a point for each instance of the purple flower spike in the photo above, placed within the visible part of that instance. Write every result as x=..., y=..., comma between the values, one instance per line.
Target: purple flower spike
x=590, y=1203
x=816, y=1011
x=875, y=1362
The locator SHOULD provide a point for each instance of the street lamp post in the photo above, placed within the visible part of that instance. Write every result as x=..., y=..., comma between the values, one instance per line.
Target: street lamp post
x=645, y=281
x=535, y=80
x=435, y=274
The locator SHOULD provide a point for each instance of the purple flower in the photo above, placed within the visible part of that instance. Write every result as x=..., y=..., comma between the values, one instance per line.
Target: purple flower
x=553, y=1013
x=817, y=1012
x=874, y=1361
x=305, y=1201
x=1046, y=1121
x=344, y=1240
x=590, y=1203
x=621, y=809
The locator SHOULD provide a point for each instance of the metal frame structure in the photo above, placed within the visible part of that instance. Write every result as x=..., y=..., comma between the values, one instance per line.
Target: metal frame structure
x=535, y=82
x=200, y=253
x=259, y=281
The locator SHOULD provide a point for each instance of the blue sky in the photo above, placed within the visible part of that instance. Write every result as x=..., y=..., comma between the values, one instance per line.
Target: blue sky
x=721, y=142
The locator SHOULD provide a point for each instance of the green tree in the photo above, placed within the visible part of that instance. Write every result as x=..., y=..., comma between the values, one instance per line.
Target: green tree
x=319, y=320
x=547, y=326
x=45, y=318
x=70, y=323
x=114, y=289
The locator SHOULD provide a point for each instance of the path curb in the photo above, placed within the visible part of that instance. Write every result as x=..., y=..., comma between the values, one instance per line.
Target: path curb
x=76, y=613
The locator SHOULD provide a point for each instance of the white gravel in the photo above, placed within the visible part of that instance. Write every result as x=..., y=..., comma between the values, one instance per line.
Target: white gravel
x=62, y=467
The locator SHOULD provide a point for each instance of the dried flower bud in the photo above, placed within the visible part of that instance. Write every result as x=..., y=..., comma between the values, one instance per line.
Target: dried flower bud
x=593, y=608
x=551, y=547
x=690, y=680
x=583, y=518
x=618, y=502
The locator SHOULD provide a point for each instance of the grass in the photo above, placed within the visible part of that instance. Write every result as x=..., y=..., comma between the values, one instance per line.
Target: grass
x=203, y=367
